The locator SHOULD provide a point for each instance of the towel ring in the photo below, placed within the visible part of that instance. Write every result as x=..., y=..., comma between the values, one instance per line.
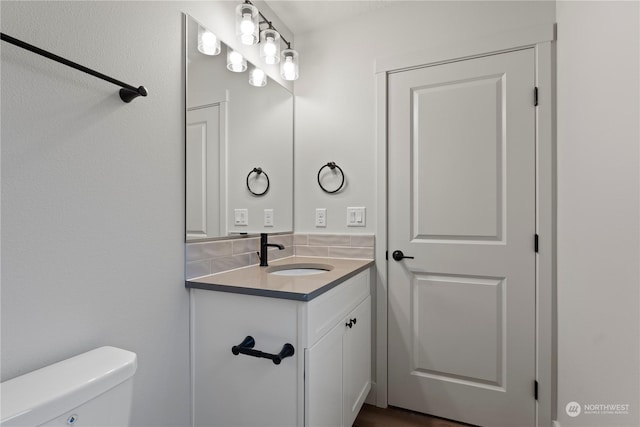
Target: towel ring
x=258, y=172
x=332, y=166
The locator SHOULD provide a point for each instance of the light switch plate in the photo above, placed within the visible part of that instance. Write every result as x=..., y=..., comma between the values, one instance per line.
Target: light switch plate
x=321, y=217
x=241, y=217
x=356, y=217
x=268, y=217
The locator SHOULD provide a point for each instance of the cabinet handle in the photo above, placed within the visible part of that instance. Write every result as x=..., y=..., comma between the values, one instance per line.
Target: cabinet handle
x=246, y=347
x=351, y=323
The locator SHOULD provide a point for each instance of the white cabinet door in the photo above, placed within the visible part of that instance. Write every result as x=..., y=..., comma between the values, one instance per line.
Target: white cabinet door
x=338, y=371
x=243, y=391
x=356, y=360
x=323, y=380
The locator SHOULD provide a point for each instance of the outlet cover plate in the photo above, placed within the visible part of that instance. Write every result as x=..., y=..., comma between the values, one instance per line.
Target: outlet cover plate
x=321, y=217
x=268, y=217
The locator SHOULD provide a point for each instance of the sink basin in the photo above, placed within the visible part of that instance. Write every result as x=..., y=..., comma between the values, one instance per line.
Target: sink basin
x=299, y=269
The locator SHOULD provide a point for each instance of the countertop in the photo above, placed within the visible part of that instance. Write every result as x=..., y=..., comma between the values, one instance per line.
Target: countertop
x=255, y=280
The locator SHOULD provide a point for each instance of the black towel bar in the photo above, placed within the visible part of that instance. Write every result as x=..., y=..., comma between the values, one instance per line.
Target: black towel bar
x=246, y=347
x=127, y=93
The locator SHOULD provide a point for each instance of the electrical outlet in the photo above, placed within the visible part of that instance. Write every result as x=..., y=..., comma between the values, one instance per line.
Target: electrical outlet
x=321, y=217
x=241, y=217
x=356, y=217
x=268, y=217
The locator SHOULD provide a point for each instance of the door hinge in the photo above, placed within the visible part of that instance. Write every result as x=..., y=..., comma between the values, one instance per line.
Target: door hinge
x=535, y=96
x=386, y=255
x=536, y=243
x=535, y=390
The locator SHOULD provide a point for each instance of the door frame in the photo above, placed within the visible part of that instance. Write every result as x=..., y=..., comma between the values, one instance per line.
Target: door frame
x=541, y=38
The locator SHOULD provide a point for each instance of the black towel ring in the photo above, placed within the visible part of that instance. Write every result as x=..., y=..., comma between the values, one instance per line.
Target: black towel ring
x=258, y=172
x=332, y=166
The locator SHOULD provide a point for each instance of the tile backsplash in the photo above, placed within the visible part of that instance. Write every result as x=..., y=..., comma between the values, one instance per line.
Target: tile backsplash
x=359, y=246
x=204, y=258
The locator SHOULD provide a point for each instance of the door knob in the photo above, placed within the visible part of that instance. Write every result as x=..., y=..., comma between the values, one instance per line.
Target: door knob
x=398, y=256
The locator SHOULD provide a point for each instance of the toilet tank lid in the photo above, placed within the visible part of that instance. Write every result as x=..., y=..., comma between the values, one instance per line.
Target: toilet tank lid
x=54, y=389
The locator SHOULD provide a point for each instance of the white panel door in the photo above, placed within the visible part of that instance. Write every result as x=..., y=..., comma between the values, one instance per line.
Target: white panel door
x=462, y=203
x=205, y=176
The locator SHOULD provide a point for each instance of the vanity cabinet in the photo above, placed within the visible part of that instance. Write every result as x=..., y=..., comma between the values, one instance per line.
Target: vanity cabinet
x=340, y=360
x=323, y=384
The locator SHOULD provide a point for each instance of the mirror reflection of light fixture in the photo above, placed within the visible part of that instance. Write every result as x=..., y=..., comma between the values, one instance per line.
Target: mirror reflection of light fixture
x=208, y=43
x=270, y=46
x=257, y=77
x=247, y=26
x=235, y=61
x=289, y=64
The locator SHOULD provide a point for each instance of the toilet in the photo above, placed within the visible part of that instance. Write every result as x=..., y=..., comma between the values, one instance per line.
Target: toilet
x=93, y=389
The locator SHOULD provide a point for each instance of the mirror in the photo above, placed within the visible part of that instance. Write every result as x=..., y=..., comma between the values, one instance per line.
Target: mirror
x=239, y=148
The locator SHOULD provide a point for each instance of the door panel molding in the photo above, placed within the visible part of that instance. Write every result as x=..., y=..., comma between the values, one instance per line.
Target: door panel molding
x=450, y=361
x=476, y=203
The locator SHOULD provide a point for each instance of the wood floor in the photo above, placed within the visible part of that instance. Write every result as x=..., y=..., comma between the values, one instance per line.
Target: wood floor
x=371, y=416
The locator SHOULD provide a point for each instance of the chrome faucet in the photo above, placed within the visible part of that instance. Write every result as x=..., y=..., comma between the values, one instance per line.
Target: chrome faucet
x=263, y=249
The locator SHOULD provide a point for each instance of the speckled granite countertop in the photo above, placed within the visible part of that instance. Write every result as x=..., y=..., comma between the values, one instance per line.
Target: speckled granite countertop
x=256, y=280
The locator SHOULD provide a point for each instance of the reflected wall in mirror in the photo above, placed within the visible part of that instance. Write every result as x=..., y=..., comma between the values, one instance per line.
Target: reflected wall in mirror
x=233, y=128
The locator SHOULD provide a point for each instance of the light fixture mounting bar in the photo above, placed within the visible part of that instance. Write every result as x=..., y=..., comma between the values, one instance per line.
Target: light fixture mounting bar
x=266, y=21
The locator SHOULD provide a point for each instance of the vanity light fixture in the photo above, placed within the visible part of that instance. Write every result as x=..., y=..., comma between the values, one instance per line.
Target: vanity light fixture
x=247, y=26
x=270, y=46
x=247, y=20
x=257, y=77
x=235, y=61
x=208, y=43
x=289, y=64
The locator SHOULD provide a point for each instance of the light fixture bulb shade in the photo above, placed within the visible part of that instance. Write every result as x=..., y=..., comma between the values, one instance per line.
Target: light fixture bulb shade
x=289, y=65
x=235, y=61
x=247, y=26
x=270, y=46
x=208, y=43
x=257, y=77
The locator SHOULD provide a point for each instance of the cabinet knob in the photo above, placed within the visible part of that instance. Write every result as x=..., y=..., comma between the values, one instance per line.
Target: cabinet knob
x=350, y=324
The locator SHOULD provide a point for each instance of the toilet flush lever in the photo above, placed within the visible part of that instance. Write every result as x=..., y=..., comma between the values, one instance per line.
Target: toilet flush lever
x=399, y=256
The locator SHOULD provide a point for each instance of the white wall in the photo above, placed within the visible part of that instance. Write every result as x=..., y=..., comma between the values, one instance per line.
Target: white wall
x=335, y=95
x=598, y=54
x=93, y=192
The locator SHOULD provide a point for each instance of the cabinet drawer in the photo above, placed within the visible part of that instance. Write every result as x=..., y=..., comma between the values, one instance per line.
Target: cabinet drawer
x=327, y=309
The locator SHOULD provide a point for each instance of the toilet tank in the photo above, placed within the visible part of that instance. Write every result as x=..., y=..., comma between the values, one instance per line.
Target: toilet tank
x=92, y=389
